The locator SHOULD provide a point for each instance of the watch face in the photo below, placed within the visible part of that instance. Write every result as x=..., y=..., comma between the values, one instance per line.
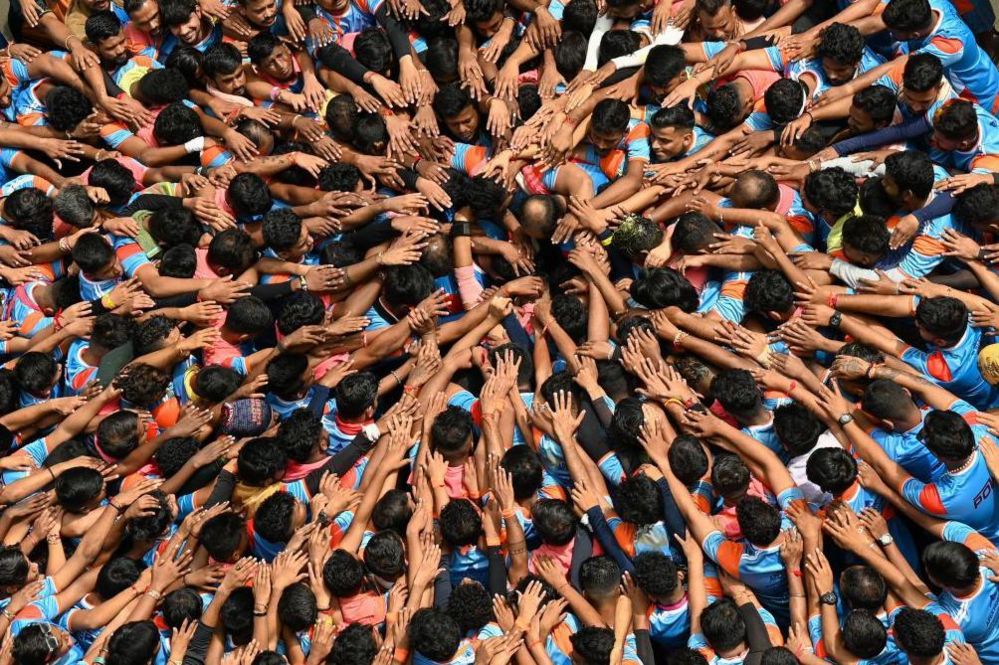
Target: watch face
x=828, y=598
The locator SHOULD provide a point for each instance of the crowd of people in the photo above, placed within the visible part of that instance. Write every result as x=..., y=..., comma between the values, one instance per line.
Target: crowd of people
x=489, y=332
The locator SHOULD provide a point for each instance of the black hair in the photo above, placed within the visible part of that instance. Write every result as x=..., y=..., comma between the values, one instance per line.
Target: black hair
x=638, y=501
x=460, y=523
x=919, y=633
x=260, y=462
x=471, y=605
x=841, y=43
x=878, y=102
x=232, y=249
x=174, y=454
x=115, y=179
x=407, y=285
x=722, y=625
x=273, y=519
x=249, y=196
x=977, y=206
x=177, y=124
x=693, y=231
x=297, y=434
x=679, y=116
x=143, y=385
x=118, y=434
x=77, y=487
x=300, y=309
x=737, y=391
x=863, y=634
x=385, y=555
x=297, y=608
x=636, y=235
x=175, y=12
x=186, y=60
x=354, y=645
x=66, y=107
x=434, y=634
x=759, y=521
x=221, y=58
x=867, y=233
x=339, y=177
x=656, y=574
x=101, y=25
x=159, y=87
x=947, y=435
x=610, y=116
x=784, y=100
x=907, y=15
x=14, y=566
x=181, y=605
x=664, y=287
x=724, y=107
x=599, y=576
x=663, y=64
x=957, y=120
x=92, y=253
x=214, y=383
x=797, y=428
x=832, y=189
x=593, y=644
x=73, y=205
x=832, y=469
x=687, y=459
x=616, y=43
x=863, y=588
x=912, y=171
x=261, y=46
x=343, y=574
x=555, y=521
x=133, y=643
x=282, y=229
x=355, y=394
x=373, y=50
x=944, y=317
x=392, y=511
x=525, y=469
x=922, y=72
x=179, y=261
x=222, y=535
x=451, y=430
x=115, y=576
x=950, y=564
x=580, y=16
x=369, y=131
x=237, y=615
x=249, y=315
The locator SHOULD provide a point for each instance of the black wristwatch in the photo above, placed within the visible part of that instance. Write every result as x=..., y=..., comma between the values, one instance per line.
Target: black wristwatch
x=461, y=229
x=828, y=598
x=835, y=320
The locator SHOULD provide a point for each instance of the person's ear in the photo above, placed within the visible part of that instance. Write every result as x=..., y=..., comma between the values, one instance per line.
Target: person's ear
x=887, y=425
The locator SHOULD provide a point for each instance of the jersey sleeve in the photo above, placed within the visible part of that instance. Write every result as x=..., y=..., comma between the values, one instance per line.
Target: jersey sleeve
x=925, y=496
x=726, y=553
x=948, y=49
x=931, y=364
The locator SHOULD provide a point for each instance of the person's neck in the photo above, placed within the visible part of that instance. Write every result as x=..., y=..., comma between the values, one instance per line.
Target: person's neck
x=954, y=467
x=607, y=607
x=761, y=417
x=932, y=660
x=911, y=419
x=230, y=336
x=969, y=591
x=733, y=652
x=91, y=355
x=44, y=295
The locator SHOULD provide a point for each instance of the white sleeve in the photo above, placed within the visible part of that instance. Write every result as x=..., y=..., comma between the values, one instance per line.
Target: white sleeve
x=604, y=24
x=670, y=36
x=851, y=274
x=861, y=169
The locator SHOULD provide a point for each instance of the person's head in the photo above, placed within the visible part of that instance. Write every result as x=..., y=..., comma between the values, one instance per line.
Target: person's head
x=555, y=521
x=451, y=434
x=579, y=16
x=261, y=462
x=840, y=49
x=174, y=454
x=176, y=125
x=278, y=516
x=693, y=232
x=952, y=566
x=872, y=108
x=955, y=126
x=608, y=125
x=118, y=434
x=865, y=240
x=891, y=404
x=672, y=132
x=392, y=511
x=179, y=261
x=356, y=397
x=340, y=177
x=797, y=428
x=832, y=469
x=286, y=375
x=784, y=100
x=636, y=236
x=214, y=383
x=570, y=54
x=40, y=643
x=570, y=313
x=830, y=193
x=29, y=209
x=941, y=321
x=103, y=30
x=758, y=520
x=249, y=197
x=525, y=469
x=863, y=634
x=664, y=287
x=180, y=605
x=922, y=81
x=539, y=214
x=385, y=556
x=144, y=15
x=143, y=385
x=175, y=227
x=920, y=634
x=755, y=189
x=66, y=108
x=728, y=105
x=664, y=68
x=79, y=490
x=95, y=257
x=908, y=19
x=36, y=373
x=978, y=207
x=738, y=393
x=484, y=16
x=223, y=65
x=454, y=106
x=231, y=252
x=224, y=536
x=948, y=436
x=657, y=575
x=109, y=332
x=343, y=574
x=592, y=645
x=248, y=317
x=723, y=626
x=485, y=197
x=297, y=609
x=405, y=286
x=299, y=434
x=354, y=645
x=185, y=20
x=442, y=59
x=471, y=605
x=187, y=60
x=135, y=643
x=908, y=178
x=260, y=13
x=373, y=50
x=285, y=233
x=687, y=459
x=300, y=309
x=638, y=501
x=616, y=43
x=863, y=588
x=237, y=617
x=600, y=579
x=434, y=634
x=73, y=206
x=717, y=18
x=770, y=294
x=115, y=179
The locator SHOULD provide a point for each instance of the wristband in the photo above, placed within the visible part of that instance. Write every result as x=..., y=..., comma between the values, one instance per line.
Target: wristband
x=678, y=338
x=6, y=613
x=509, y=513
x=195, y=145
x=400, y=655
x=108, y=303
x=303, y=283
x=832, y=300
x=154, y=594
x=275, y=93
x=461, y=229
x=673, y=400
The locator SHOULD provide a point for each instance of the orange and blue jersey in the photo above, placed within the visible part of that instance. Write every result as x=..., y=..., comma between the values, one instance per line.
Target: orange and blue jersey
x=890, y=655
x=134, y=69
x=966, y=495
x=470, y=158
x=553, y=460
x=956, y=532
x=27, y=181
x=955, y=368
x=35, y=454
x=952, y=632
x=968, y=67
x=635, y=540
x=983, y=157
x=468, y=562
x=558, y=644
x=129, y=254
x=358, y=16
x=78, y=373
x=171, y=43
x=859, y=498
x=812, y=67
x=977, y=615
x=633, y=146
x=16, y=73
x=908, y=451
x=761, y=568
x=699, y=643
x=22, y=308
